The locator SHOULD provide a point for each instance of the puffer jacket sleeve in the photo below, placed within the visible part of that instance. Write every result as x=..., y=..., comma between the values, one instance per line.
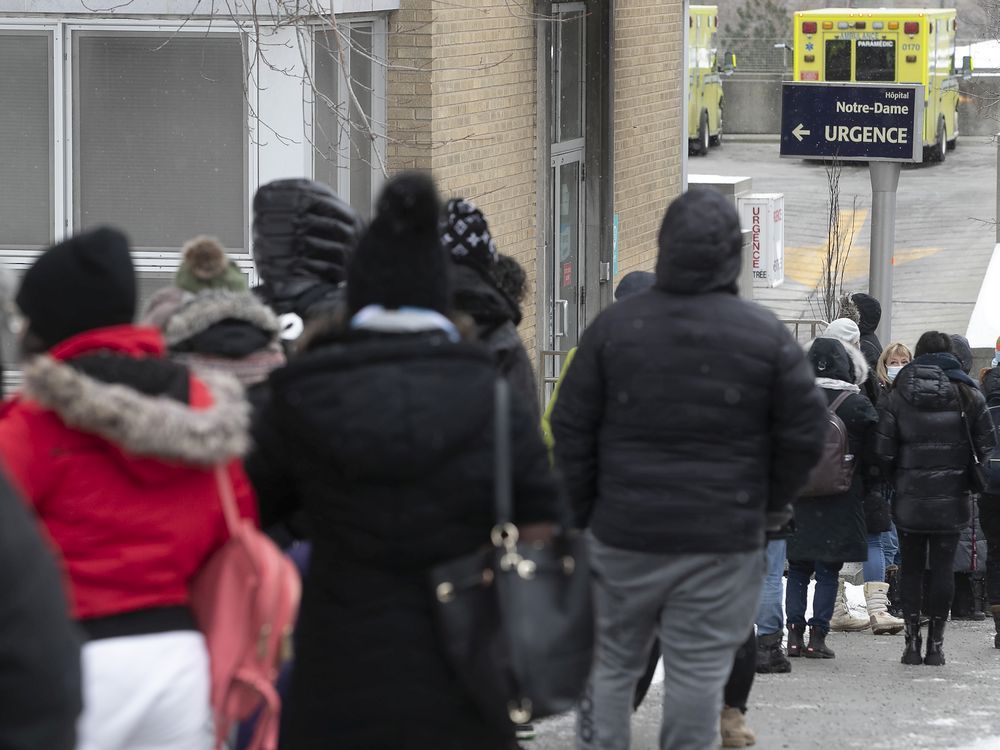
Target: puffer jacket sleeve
x=40, y=695
x=269, y=470
x=576, y=424
x=980, y=424
x=798, y=422
x=887, y=435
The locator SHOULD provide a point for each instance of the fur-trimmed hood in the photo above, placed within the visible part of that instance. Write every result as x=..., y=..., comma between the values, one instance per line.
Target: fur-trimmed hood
x=160, y=428
x=853, y=369
x=196, y=313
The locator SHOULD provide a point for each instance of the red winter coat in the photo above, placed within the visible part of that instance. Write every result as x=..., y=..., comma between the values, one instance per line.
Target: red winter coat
x=120, y=478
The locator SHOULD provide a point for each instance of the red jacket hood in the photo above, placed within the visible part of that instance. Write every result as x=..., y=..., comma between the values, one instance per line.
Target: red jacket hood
x=133, y=341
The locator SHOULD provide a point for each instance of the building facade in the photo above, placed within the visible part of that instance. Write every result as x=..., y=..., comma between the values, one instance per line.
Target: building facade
x=562, y=120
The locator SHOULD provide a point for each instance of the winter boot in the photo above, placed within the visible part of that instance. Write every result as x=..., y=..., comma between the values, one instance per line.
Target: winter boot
x=817, y=648
x=877, y=599
x=995, y=609
x=911, y=654
x=843, y=621
x=771, y=657
x=892, y=578
x=935, y=642
x=735, y=732
x=796, y=641
x=979, y=604
x=963, y=603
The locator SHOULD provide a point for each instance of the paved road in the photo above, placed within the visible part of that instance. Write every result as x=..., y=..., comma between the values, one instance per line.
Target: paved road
x=863, y=699
x=942, y=245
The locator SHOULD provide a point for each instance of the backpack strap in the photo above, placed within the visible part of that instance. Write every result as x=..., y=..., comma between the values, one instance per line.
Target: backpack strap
x=836, y=403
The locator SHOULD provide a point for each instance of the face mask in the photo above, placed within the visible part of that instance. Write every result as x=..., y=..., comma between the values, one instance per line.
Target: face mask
x=893, y=372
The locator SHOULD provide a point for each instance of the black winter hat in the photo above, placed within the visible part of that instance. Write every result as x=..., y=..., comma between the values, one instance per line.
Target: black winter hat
x=863, y=309
x=634, y=282
x=83, y=283
x=701, y=244
x=961, y=349
x=466, y=236
x=400, y=261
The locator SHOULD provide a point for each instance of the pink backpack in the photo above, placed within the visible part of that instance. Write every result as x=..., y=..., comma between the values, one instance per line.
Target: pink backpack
x=245, y=600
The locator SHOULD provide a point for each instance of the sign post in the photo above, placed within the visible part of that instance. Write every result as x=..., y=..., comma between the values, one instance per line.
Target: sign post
x=876, y=123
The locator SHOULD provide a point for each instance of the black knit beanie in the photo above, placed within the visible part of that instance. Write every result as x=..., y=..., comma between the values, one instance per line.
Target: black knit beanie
x=399, y=261
x=466, y=236
x=83, y=283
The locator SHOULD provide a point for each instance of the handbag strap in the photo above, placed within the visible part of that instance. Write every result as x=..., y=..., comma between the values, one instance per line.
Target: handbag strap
x=965, y=422
x=503, y=495
x=835, y=404
x=228, y=499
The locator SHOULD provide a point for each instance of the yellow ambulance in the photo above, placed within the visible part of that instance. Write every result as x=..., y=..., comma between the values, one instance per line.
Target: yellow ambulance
x=887, y=46
x=704, y=80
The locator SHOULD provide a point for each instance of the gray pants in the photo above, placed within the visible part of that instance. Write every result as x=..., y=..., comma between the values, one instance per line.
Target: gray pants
x=701, y=607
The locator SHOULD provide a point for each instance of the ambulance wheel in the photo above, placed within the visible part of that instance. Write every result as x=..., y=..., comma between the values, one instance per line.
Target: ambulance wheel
x=716, y=140
x=700, y=146
x=940, y=149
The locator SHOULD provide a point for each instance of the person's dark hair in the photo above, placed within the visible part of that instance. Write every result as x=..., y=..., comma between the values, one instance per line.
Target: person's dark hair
x=510, y=279
x=933, y=342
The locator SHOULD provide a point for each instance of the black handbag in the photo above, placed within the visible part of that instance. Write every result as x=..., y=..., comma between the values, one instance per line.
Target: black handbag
x=977, y=472
x=516, y=619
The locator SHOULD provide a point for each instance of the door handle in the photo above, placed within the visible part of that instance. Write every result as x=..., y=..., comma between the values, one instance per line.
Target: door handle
x=562, y=304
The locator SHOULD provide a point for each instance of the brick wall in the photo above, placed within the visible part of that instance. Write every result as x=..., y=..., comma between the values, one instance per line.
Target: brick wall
x=649, y=40
x=484, y=104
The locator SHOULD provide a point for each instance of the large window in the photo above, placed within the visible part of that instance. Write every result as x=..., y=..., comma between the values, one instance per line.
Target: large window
x=875, y=60
x=345, y=117
x=838, y=60
x=158, y=123
x=26, y=151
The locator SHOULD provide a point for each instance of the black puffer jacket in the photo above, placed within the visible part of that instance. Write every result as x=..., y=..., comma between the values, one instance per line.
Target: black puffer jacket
x=923, y=445
x=39, y=647
x=303, y=237
x=687, y=412
x=832, y=528
x=387, y=443
x=496, y=318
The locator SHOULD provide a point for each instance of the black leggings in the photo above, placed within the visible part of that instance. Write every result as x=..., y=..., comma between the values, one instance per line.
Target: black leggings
x=737, y=690
x=930, y=555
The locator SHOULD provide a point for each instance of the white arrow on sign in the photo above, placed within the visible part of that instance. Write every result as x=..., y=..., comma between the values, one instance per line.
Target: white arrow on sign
x=800, y=131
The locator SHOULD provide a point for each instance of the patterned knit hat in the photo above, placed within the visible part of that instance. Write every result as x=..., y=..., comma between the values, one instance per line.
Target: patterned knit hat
x=466, y=235
x=206, y=266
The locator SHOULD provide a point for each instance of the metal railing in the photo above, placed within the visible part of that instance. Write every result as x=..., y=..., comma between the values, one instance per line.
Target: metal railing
x=814, y=326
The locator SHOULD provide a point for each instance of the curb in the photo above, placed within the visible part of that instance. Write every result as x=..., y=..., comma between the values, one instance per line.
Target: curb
x=751, y=138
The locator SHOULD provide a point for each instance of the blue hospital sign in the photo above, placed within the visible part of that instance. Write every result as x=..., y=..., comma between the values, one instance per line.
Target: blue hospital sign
x=852, y=122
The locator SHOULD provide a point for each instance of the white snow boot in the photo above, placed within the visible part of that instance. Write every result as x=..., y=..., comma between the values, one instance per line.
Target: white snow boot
x=877, y=599
x=843, y=621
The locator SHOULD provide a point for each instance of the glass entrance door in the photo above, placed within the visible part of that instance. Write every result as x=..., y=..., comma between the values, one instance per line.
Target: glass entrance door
x=569, y=273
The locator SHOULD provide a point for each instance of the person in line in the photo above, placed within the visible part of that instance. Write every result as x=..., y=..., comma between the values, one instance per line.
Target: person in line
x=477, y=293
x=210, y=321
x=114, y=446
x=382, y=431
x=876, y=515
x=40, y=696
x=303, y=238
x=866, y=311
x=969, y=602
x=891, y=362
x=830, y=530
x=678, y=455
x=924, y=444
x=989, y=508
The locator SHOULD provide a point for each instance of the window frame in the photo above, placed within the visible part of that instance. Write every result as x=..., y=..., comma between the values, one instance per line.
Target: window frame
x=62, y=88
x=380, y=32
